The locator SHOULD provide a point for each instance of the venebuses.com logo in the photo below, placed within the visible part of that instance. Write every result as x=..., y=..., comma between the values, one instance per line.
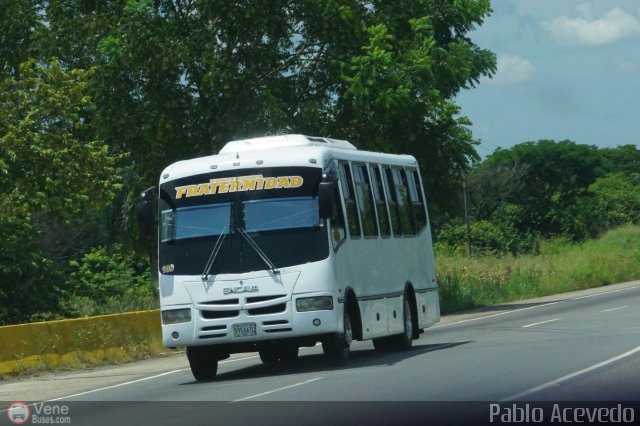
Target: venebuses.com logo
x=18, y=413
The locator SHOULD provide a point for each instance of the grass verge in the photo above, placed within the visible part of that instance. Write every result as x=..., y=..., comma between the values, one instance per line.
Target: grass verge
x=560, y=267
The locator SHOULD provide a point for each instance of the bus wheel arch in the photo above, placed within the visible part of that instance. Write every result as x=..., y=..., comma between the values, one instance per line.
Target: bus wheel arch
x=336, y=346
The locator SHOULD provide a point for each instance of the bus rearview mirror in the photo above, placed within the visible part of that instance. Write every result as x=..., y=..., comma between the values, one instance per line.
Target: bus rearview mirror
x=325, y=199
x=144, y=213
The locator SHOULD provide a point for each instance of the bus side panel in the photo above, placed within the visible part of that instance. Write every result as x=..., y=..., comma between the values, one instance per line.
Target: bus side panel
x=433, y=314
x=428, y=308
x=367, y=316
x=378, y=316
x=394, y=310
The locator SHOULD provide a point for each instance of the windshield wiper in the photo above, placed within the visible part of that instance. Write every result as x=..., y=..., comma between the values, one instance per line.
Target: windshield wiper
x=214, y=254
x=258, y=250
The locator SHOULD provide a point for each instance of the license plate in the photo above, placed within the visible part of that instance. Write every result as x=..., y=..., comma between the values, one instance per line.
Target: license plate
x=244, y=330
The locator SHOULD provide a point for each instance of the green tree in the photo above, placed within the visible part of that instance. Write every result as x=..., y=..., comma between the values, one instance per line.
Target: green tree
x=624, y=159
x=557, y=174
x=616, y=200
x=51, y=170
x=179, y=79
x=151, y=82
x=19, y=26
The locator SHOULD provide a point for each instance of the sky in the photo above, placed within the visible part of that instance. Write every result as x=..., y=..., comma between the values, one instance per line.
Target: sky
x=567, y=69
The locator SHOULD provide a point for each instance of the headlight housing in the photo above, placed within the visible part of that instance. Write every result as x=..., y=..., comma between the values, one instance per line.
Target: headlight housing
x=316, y=303
x=176, y=316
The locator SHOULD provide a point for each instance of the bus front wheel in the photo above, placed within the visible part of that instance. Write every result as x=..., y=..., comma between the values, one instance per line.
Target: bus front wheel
x=275, y=353
x=203, y=362
x=336, y=346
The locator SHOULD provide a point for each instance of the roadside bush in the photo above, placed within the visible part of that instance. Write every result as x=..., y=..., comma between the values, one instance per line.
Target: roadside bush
x=559, y=266
x=107, y=281
x=486, y=238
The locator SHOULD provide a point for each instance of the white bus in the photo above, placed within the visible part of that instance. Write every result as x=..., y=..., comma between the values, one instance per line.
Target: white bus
x=285, y=241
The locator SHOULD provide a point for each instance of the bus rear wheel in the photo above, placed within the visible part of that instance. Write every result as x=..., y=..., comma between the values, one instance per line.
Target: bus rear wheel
x=337, y=346
x=203, y=362
x=404, y=341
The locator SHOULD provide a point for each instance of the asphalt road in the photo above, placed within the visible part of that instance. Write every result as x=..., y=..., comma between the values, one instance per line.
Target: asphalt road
x=582, y=346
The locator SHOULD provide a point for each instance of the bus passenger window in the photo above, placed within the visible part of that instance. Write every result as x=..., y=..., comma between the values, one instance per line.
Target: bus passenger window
x=338, y=231
x=393, y=204
x=380, y=200
x=349, y=200
x=406, y=221
x=365, y=202
x=417, y=203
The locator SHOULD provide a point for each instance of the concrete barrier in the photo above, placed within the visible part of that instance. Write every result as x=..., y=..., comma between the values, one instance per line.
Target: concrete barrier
x=77, y=342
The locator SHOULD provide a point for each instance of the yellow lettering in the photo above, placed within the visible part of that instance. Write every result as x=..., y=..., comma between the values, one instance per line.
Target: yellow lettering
x=192, y=191
x=180, y=191
x=283, y=182
x=224, y=187
x=233, y=185
x=240, y=183
x=214, y=184
x=295, y=181
x=204, y=189
x=248, y=184
x=270, y=183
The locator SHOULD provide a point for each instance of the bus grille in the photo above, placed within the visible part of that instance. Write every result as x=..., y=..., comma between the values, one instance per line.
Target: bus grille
x=256, y=299
x=222, y=302
x=212, y=336
x=219, y=314
x=275, y=309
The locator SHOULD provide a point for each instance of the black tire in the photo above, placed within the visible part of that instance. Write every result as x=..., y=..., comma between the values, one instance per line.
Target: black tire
x=336, y=346
x=404, y=341
x=203, y=362
x=268, y=355
x=288, y=353
x=383, y=344
x=274, y=353
x=398, y=342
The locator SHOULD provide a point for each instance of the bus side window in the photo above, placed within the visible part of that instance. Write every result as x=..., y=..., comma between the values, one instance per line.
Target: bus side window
x=406, y=220
x=338, y=229
x=349, y=200
x=393, y=203
x=365, y=202
x=417, y=202
x=380, y=200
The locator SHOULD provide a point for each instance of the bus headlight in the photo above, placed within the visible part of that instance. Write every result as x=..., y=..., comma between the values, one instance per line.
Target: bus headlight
x=318, y=303
x=176, y=316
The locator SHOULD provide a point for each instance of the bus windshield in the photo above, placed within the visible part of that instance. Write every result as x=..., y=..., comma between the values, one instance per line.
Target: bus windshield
x=193, y=222
x=278, y=207
x=280, y=213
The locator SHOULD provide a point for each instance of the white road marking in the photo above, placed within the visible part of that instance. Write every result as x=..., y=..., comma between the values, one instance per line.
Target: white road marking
x=119, y=384
x=614, y=309
x=276, y=390
x=541, y=322
x=533, y=307
x=141, y=380
x=495, y=315
x=571, y=376
x=604, y=292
